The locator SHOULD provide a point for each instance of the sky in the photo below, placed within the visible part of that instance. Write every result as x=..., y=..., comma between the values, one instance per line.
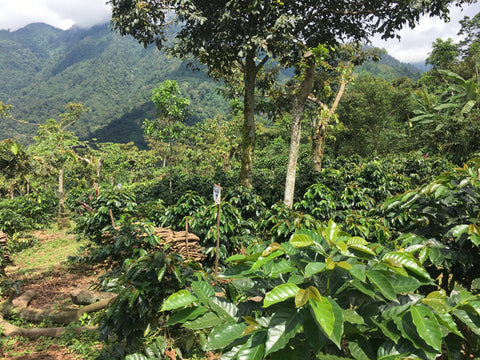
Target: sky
x=414, y=47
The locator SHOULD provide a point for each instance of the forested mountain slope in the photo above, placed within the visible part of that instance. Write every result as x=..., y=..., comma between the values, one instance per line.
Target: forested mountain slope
x=43, y=68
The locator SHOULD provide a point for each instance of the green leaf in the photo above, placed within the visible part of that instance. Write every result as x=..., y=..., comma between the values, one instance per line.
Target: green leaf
x=323, y=314
x=358, y=271
x=472, y=321
x=223, y=335
x=383, y=284
x=359, y=244
x=437, y=301
x=263, y=260
x=408, y=262
x=337, y=332
x=301, y=240
x=313, y=268
x=409, y=331
x=388, y=328
x=225, y=309
x=281, y=267
x=361, y=351
x=447, y=321
x=254, y=348
x=177, y=300
x=458, y=230
x=203, y=290
x=405, y=284
x=206, y=321
x=427, y=326
x=352, y=317
x=331, y=232
x=185, y=314
x=315, y=338
x=280, y=293
x=284, y=325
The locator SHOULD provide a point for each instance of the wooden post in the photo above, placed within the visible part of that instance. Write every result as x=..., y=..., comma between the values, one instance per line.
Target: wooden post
x=186, y=237
x=218, y=202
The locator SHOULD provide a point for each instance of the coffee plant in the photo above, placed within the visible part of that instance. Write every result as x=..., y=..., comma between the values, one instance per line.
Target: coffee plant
x=326, y=293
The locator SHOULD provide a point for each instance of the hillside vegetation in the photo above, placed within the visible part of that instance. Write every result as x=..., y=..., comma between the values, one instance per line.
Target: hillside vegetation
x=44, y=68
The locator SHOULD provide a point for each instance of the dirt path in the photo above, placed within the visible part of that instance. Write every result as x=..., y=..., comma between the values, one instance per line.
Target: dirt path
x=52, y=281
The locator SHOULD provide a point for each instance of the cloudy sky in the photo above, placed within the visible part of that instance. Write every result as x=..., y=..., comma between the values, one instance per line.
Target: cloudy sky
x=413, y=47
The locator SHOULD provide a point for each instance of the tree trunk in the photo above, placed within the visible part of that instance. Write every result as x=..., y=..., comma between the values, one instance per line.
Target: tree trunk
x=61, y=196
x=299, y=102
x=319, y=135
x=248, y=131
x=318, y=145
x=11, y=190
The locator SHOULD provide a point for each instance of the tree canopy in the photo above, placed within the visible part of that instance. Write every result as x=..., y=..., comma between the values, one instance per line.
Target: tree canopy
x=230, y=35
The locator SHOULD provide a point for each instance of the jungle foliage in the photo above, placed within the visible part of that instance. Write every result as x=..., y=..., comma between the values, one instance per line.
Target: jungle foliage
x=378, y=258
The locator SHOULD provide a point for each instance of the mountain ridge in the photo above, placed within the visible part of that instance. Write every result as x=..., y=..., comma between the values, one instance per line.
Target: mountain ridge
x=44, y=68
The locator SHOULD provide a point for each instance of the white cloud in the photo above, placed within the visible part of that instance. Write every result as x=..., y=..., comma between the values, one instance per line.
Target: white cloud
x=58, y=13
x=415, y=44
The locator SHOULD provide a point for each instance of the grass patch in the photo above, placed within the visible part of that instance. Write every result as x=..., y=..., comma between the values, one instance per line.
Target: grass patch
x=48, y=251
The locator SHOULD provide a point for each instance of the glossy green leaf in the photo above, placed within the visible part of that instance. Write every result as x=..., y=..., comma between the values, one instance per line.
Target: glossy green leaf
x=361, y=350
x=206, y=321
x=408, y=261
x=224, y=308
x=313, y=268
x=284, y=325
x=301, y=240
x=472, y=321
x=186, y=314
x=427, y=326
x=359, y=244
x=331, y=233
x=223, y=335
x=323, y=314
x=388, y=328
x=254, y=348
x=447, y=321
x=358, y=272
x=437, y=301
x=337, y=333
x=263, y=260
x=405, y=284
x=409, y=331
x=383, y=284
x=458, y=230
x=203, y=290
x=352, y=317
x=177, y=300
x=280, y=293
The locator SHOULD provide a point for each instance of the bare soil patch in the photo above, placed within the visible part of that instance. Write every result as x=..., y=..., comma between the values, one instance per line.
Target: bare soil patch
x=52, y=284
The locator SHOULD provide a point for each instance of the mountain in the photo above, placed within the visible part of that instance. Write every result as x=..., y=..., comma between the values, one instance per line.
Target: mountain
x=43, y=68
x=389, y=68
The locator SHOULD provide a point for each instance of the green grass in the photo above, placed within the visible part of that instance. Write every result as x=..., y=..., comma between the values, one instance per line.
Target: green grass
x=46, y=253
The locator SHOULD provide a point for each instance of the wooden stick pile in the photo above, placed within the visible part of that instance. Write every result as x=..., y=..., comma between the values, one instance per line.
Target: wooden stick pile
x=182, y=242
x=3, y=246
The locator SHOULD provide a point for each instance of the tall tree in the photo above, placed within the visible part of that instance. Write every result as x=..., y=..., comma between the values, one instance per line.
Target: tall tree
x=56, y=145
x=172, y=110
x=226, y=35
x=444, y=54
